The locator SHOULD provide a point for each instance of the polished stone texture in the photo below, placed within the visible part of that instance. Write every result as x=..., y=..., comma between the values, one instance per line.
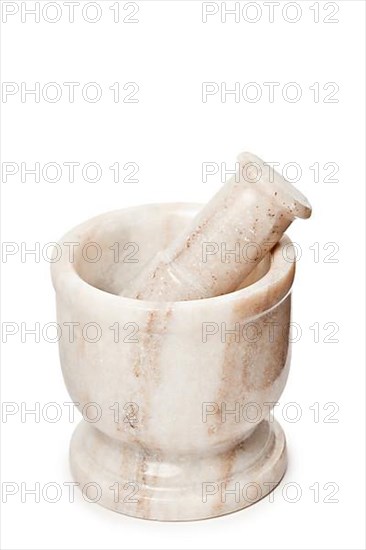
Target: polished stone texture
x=192, y=379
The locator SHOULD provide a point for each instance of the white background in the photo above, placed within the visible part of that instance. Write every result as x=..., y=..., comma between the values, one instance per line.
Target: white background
x=169, y=133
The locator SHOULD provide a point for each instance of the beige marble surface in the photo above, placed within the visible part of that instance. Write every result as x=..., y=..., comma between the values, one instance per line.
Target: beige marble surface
x=182, y=370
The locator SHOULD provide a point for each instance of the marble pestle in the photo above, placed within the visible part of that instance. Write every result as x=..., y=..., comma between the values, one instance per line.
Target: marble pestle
x=226, y=240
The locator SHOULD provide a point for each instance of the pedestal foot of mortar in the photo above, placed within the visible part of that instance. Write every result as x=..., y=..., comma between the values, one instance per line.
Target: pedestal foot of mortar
x=133, y=480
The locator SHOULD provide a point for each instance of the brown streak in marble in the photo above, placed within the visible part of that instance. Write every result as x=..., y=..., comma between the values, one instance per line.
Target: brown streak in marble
x=150, y=340
x=237, y=369
x=280, y=345
x=228, y=460
x=229, y=370
x=143, y=502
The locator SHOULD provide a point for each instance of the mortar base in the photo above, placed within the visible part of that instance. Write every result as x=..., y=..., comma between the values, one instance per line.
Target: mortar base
x=131, y=480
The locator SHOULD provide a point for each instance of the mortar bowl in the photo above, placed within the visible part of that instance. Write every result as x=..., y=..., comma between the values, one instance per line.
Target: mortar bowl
x=176, y=397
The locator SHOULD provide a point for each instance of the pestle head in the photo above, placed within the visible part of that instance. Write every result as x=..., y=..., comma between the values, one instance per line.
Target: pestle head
x=247, y=217
x=256, y=172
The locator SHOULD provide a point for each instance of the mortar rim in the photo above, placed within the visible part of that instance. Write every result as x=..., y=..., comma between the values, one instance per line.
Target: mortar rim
x=65, y=276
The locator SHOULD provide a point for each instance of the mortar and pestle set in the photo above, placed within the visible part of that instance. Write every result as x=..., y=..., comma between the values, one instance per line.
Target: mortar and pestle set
x=183, y=368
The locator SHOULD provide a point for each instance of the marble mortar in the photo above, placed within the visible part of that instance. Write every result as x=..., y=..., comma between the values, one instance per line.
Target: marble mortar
x=164, y=376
